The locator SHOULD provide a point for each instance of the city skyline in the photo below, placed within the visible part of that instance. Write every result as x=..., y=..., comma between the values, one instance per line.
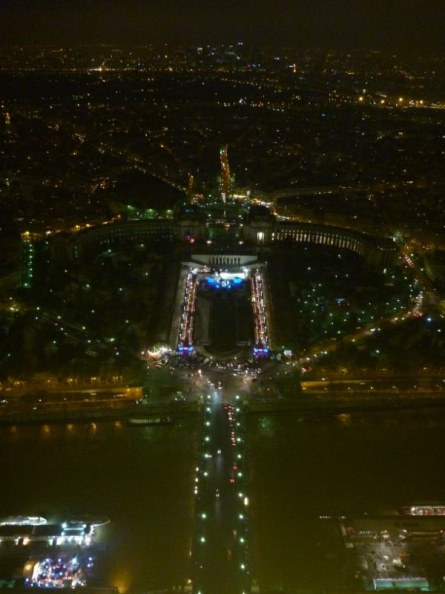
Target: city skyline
x=222, y=311
x=411, y=26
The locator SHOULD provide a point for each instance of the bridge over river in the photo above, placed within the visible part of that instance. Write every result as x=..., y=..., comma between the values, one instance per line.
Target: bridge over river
x=221, y=561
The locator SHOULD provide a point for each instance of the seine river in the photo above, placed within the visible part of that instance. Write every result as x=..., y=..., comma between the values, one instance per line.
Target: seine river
x=142, y=478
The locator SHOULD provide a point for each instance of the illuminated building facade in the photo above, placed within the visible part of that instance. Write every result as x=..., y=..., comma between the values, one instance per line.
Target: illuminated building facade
x=376, y=251
x=258, y=230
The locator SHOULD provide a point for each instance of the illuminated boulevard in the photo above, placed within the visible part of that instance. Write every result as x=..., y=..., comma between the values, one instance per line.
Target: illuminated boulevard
x=220, y=552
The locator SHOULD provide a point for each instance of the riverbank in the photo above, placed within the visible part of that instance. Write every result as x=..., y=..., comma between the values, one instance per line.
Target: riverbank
x=316, y=404
x=322, y=403
x=82, y=414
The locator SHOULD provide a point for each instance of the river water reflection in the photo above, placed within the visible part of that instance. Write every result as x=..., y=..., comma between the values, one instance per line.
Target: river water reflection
x=304, y=468
x=142, y=478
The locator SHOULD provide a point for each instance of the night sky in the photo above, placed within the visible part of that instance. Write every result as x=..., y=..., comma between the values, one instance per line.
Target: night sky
x=413, y=26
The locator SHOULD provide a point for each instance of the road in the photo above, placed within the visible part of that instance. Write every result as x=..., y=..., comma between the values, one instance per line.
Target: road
x=220, y=553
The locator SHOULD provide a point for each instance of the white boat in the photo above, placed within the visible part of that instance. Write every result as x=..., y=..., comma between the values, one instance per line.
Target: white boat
x=23, y=521
x=437, y=509
x=76, y=522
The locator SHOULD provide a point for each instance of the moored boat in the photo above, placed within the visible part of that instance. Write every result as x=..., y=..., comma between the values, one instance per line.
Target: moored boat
x=23, y=521
x=435, y=509
x=85, y=520
x=150, y=421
